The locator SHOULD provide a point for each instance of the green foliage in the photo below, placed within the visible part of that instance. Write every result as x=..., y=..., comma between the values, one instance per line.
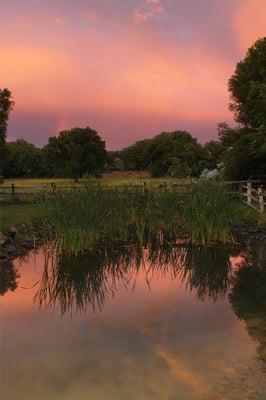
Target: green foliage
x=213, y=151
x=6, y=105
x=136, y=157
x=248, y=87
x=166, y=148
x=244, y=151
x=207, y=212
x=175, y=154
x=23, y=159
x=75, y=153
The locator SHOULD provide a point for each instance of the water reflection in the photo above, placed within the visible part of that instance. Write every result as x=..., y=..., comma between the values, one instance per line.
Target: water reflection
x=75, y=282
x=166, y=328
x=8, y=278
x=248, y=297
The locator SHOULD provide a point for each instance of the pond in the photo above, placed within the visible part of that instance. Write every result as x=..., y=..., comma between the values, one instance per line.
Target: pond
x=177, y=323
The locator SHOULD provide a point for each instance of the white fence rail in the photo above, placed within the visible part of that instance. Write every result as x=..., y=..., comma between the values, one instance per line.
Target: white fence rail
x=254, y=197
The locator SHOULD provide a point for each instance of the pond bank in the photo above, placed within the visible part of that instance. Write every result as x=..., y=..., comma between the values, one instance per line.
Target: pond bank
x=17, y=241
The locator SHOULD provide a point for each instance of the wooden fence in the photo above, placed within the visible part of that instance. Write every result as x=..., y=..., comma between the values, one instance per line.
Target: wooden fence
x=252, y=193
x=255, y=196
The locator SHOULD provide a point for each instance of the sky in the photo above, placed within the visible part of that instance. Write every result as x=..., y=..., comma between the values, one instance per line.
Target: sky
x=129, y=69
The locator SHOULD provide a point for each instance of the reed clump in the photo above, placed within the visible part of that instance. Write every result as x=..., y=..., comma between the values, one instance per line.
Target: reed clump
x=85, y=218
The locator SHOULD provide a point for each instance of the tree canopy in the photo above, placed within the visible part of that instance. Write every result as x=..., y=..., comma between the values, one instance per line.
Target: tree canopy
x=23, y=159
x=247, y=87
x=6, y=104
x=76, y=152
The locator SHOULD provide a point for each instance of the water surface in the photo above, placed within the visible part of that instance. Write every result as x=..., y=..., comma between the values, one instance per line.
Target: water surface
x=182, y=324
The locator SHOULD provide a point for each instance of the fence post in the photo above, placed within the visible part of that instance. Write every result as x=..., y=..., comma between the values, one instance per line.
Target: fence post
x=249, y=193
x=13, y=192
x=145, y=190
x=260, y=195
x=53, y=187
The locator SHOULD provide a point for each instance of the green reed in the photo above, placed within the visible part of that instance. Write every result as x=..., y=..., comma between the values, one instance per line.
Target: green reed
x=87, y=217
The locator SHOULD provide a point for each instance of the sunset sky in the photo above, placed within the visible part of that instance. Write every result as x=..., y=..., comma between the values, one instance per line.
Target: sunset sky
x=127, y=68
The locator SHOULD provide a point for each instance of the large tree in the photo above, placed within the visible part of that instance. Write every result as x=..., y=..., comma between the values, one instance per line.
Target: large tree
x=6, y=105
x=247, y=87
x=244, y=146
x=76, y=152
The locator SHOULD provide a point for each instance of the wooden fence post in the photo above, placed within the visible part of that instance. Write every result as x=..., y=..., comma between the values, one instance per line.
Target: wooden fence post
x=13, y=192
x=249, y=193
x=260, y=196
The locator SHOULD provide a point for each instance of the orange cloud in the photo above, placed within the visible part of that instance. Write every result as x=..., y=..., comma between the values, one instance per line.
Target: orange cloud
x=182, y=372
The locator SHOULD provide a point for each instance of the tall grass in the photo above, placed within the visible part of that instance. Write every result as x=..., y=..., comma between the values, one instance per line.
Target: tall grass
x=84, y=218
x=208, y=212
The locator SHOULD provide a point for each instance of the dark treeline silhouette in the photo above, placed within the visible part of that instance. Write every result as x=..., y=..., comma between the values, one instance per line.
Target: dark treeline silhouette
x=240, y=151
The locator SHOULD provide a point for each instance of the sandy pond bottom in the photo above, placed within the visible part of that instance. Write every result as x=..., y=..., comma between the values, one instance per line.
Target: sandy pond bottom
x=152, y=338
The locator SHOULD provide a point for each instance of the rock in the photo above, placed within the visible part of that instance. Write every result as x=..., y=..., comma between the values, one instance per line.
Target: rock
x=12, y=231
x=3, y=238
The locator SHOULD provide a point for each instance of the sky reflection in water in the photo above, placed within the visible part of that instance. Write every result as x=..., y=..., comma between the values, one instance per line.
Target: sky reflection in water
x=152, y=323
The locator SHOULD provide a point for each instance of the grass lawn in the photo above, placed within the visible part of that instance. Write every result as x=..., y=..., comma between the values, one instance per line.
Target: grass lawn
x=113, y=178
x=17, y=213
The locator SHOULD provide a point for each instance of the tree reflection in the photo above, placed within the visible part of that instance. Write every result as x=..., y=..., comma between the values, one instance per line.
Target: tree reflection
x=8, y=278
x=248, y=298
x=75, y=282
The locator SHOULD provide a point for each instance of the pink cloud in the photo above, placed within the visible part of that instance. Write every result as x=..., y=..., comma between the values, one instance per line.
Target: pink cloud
x=147, y=9
x=61, y=20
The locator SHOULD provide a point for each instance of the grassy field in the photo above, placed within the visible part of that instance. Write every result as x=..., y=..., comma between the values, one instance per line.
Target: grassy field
x=113, y=178
x=14, y=214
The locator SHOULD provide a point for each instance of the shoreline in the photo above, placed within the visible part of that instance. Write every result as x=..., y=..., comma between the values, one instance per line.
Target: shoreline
x=18, y=241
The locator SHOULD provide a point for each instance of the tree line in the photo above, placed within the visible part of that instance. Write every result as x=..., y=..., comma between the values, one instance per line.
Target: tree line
x=240, y=151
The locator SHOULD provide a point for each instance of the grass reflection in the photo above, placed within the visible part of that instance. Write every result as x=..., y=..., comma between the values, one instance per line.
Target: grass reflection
x=75, y=282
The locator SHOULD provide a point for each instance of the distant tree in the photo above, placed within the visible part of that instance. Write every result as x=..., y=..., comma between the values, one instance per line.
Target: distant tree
x=248, y=87
x=75, y=152
x=6, y=105
x=136, y=157
x=178, y=151
x=213, y=151
x=23, y=159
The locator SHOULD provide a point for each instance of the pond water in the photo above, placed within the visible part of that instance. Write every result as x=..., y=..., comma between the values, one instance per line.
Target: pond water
x=181, y=323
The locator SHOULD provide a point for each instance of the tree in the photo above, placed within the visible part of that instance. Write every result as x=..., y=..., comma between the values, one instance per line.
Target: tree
x=6, y=105
x=244, y=151
x=136, y=157
x=175, y=151
x=247, y=87
x=23, y=159
x=213, y=151
x=244, y=147
x=75, y=153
